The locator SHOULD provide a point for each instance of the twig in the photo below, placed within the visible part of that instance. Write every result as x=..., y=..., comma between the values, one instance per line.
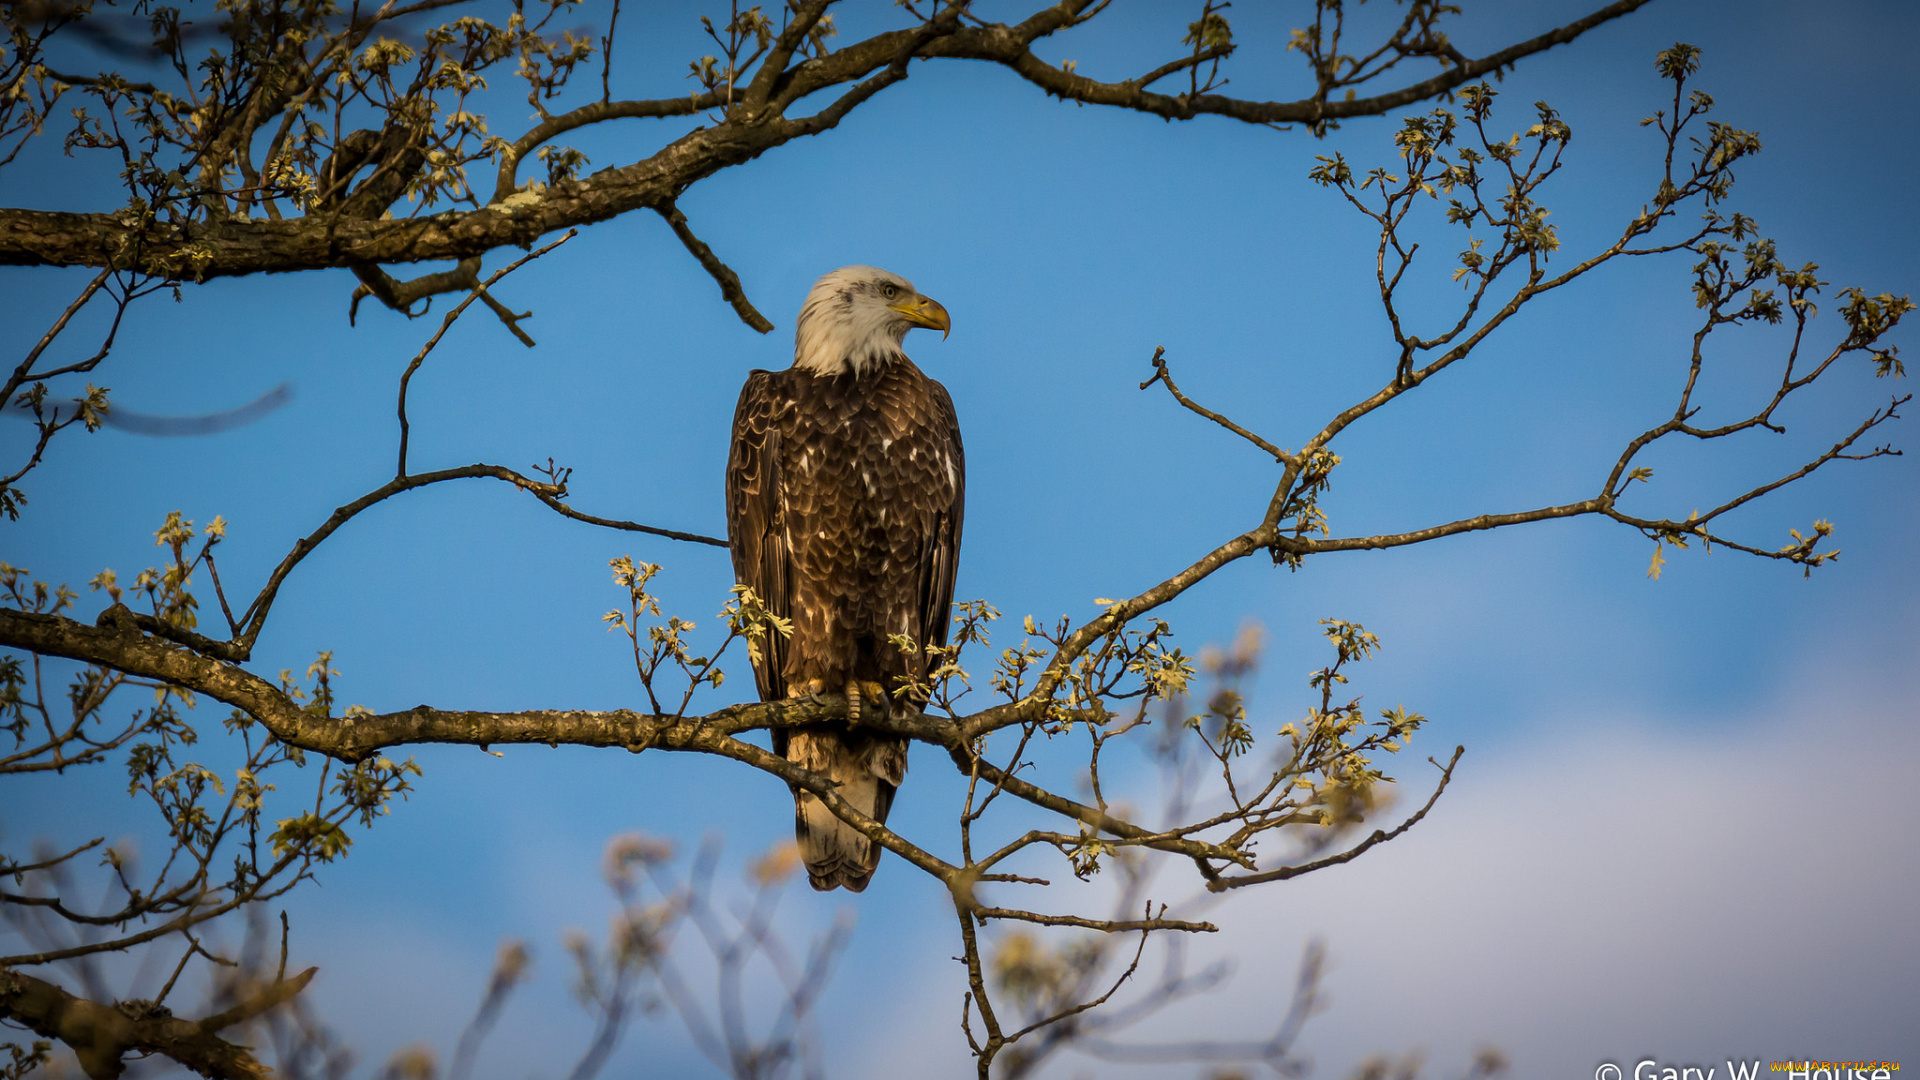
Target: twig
x=606, y=56
x=1105, y=926
x=1094, y=1003
x=506, y=974
x=10, y=869
x=256, y=614
x=1306, y=1001
x=1161, y=375
x=626, y=526
x=21, y=373
x=723, y=274
x=479, y=292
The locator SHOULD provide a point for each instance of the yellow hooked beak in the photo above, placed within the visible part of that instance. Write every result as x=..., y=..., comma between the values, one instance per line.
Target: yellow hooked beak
x=924, y=311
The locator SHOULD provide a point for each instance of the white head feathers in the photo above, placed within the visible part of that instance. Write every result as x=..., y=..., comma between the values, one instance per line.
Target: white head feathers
x=855, y=318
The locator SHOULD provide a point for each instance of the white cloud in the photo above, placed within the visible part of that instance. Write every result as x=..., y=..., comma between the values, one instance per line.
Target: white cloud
x=1616, y=890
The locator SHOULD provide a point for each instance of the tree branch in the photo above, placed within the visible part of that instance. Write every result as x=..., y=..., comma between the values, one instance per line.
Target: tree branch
x=1009, y=46
x=101, y=1036
x=1162, y=375
x=470, y=268
x=1304, y=546
x=1282, y=873
x=723, y=274
x=357, y=738
x=232, y=247
x=256, y=614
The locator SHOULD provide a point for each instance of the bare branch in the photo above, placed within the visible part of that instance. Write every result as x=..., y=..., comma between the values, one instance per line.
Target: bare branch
x=722, y=274
x=1478, y=523
x=479, y=291
x=1274, y=1051
x=1092, y=1003
x=1105, y=926
x=1162, y=375
x=256, y=614
x=16, y=869
x=21, y=374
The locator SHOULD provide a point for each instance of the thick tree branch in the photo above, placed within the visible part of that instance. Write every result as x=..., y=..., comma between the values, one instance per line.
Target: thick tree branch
x=1009, y=46
x=357, y=738
x=101, y=1036
x=226, y=248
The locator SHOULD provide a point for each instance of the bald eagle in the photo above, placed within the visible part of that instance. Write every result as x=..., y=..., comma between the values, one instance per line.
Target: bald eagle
x=845, y=486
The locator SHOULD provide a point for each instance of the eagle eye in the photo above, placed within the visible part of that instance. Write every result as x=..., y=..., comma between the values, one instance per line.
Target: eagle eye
x=890, y=290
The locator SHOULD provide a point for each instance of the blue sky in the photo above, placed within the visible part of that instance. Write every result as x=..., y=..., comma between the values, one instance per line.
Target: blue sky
x=1683, y=827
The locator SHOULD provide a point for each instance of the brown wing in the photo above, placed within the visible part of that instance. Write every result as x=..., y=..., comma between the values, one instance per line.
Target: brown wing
x=941, y=559
x=756, y=522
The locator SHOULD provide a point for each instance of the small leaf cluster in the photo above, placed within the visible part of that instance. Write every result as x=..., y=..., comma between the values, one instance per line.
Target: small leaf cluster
x=293, y=107
x=1870, y=318
x=663, y=647
x=222, y=849
x=934, y=673
x=1330, y=752
x=49, y=420
x=1127, y=663
x=1438, y=162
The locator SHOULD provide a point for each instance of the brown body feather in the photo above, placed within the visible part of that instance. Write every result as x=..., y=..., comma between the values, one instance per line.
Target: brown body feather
x=844, y=501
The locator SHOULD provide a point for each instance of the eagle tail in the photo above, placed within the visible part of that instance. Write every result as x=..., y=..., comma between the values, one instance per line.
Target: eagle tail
x=868, y=771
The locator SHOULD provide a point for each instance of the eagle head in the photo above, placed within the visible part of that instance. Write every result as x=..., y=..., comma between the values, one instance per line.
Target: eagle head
x=855, y=318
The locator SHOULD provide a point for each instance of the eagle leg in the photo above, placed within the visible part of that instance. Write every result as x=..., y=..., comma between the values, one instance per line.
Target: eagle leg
x=853, y=701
